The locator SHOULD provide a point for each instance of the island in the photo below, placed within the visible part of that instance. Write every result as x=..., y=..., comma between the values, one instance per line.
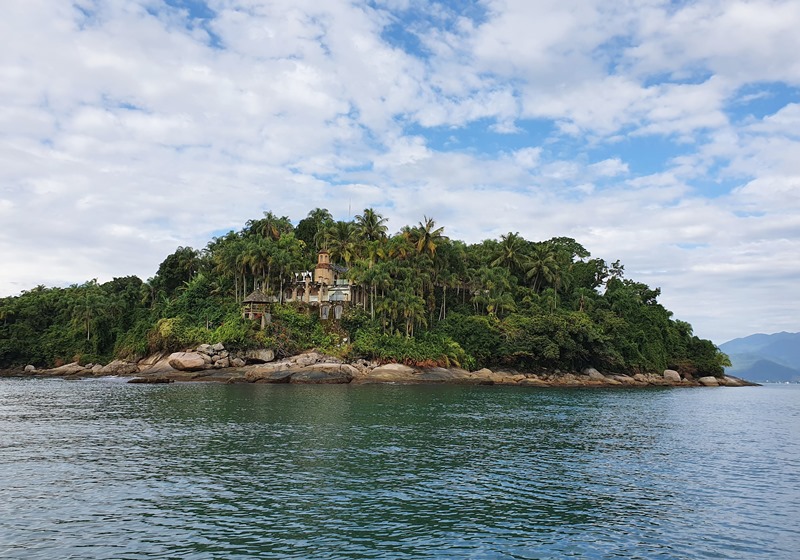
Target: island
x=328, y=301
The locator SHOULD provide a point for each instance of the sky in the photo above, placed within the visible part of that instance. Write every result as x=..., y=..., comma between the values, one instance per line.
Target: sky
x=665, y=134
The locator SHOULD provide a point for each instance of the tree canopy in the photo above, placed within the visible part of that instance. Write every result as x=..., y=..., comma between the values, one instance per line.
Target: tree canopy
x=422, y=298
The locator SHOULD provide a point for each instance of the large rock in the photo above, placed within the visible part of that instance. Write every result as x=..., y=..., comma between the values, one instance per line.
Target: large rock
x=732, y=381
x=533, y=382
x=442, y=375
x=73, y=368
x=319, y=376
x=205, y=349
x=672, y=376
x=223, y=363
x=260, y=355
x=390, y=373
x=218, y=347
x=152, y=359
x=399, y=373
x=594, y=375
x=187, y=361
x=307, y=359
x=330, y=367
x=29, y=368
x=118, y=367
x=708, y=381
x=268, y=376
x=159, y=367
x=484, y=376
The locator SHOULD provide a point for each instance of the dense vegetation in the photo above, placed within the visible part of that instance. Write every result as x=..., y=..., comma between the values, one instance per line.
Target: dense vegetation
x=424, y=299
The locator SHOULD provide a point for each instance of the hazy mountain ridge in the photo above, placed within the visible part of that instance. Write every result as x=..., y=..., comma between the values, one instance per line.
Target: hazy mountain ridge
x=765, y=357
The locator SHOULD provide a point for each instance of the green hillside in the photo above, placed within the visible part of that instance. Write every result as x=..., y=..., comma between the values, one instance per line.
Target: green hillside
x=416, y=296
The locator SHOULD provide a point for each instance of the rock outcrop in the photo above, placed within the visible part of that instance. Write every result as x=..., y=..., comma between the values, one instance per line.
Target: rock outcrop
x=117, y=367
x=214, y=363
x=151, y=380
x=187, y=361
x=261, y=355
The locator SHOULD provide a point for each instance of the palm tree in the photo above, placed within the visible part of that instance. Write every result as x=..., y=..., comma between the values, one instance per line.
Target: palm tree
x=370, y=225
x=270, y=226
x=90, y=302
x=287, y=256
x=412, y=308
x=425, y=236
x=224, y=255
x=512, y=253
x=341, y=241
x=400, y=246
x=494, y=290
x=258, y=258
x=388, y=307
x=542, y=266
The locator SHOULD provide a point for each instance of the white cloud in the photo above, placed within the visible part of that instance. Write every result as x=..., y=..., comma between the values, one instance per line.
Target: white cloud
x=132, y=130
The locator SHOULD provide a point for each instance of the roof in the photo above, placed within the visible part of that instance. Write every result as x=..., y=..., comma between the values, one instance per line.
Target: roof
x=257, y=296
x=339, y=269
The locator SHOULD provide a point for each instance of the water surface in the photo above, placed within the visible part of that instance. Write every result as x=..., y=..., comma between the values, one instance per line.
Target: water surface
x=102, y=469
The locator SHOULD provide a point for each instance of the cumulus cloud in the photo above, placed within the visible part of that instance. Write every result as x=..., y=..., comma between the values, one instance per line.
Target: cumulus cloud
x=129, y=127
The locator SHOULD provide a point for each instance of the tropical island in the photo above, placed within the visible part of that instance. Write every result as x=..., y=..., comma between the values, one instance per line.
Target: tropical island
x=349, y=294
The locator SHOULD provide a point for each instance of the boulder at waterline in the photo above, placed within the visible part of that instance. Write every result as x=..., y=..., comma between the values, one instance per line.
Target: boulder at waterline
x=313, y=376
x=260, y=355
x=187, y=361
x=119, y=367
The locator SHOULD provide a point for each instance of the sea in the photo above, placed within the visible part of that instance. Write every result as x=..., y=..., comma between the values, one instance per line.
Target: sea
x=102, y=469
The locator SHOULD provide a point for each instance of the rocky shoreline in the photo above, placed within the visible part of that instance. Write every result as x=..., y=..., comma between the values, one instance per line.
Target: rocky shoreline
x=208, y=363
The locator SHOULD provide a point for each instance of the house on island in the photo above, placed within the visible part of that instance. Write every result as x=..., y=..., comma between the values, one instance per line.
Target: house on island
x=328, y=287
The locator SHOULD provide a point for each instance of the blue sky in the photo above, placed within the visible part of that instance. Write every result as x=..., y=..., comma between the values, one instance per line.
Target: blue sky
x=664, y=134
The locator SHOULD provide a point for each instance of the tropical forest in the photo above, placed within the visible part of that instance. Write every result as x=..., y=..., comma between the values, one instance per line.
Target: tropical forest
x=419, y=298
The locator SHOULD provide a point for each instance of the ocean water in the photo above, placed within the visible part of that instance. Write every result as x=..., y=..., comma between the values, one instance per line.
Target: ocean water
x=103, y=469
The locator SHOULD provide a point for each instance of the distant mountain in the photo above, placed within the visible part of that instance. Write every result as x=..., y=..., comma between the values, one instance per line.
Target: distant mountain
x=765, y=371
x=765, y=357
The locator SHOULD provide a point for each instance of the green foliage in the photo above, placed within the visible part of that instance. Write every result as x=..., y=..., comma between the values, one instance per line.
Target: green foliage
x=564, y=339
x=235, y=332
x=294, y=329
x=427, y=350
x=177, y=268
x=171, y=335
x=420, y=298
x=480, y=336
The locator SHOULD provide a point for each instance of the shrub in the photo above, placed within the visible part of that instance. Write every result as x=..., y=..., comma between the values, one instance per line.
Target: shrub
x=172, y=334
x=427, y=350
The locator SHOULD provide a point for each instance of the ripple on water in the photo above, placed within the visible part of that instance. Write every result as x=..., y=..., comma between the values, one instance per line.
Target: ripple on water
x=108, y=470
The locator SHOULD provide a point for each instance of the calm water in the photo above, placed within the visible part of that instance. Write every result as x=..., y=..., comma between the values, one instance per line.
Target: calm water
x=102, y=469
